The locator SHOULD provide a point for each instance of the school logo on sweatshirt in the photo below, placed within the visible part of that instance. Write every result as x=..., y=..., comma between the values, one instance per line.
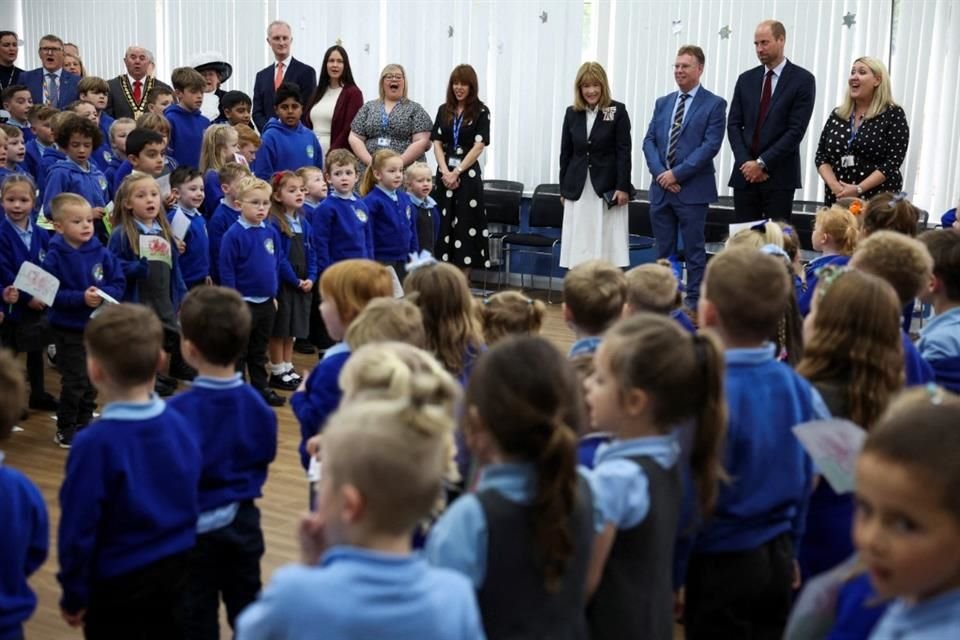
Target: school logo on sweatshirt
x=268, y=245
x=97, y=272
x=310, y=151
x=41, y=255
x=107, y=156
x=102, y=182
x=408, y=212
x=361, y=215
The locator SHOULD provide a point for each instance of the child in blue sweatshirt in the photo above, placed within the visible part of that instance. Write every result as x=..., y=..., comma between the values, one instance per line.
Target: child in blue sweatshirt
x=144, y=149
x=21, y=241
x=835, y=233
x=43, y=139
x=129, y=496
x=743, y=569
x=391, y=212
x=418, y=180
x=226, y=213
x=359, y=577
x=237, y=432
x=101, y=155
x=24, y=536
x=187, y=124
x=286, y=144
x=85, y=269
x=939, y=341
x=186, y=183
x=250, y=263
x=220, y=146
x=118, y=133
x=315, y=188
x=342, y=227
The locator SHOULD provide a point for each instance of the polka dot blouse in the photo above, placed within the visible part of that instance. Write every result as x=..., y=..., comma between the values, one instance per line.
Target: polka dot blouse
x=880, y=145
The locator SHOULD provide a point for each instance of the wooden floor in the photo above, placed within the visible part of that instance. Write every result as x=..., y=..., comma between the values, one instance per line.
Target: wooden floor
x=33, y=452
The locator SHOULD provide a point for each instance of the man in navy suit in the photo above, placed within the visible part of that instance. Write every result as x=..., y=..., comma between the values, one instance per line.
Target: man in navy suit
x=769, y=114
x=684, y=135
x=51, y=84
x=285, y=68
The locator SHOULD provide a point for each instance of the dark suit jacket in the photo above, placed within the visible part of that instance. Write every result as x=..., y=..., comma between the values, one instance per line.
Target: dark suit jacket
x=700, y=138
x=605, y=154
x=298, y=73
x=35, y=78
x=119, y=106
x=783, y=129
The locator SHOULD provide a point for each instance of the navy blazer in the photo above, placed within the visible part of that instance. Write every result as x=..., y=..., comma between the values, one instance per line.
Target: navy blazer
x=605, y=153
x=783, y=129
x=298, y=73
x=35, y=78
x=701, y=135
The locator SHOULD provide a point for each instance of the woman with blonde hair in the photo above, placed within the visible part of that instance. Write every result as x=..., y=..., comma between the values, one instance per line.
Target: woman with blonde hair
x=595, y=165
x=864, y=142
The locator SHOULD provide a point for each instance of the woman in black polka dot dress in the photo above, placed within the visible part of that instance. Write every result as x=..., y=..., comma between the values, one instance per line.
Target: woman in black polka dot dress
x=461, y=131
x=864, y=142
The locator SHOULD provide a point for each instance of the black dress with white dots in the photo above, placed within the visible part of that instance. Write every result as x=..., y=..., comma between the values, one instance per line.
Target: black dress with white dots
x=463, y=221
x=879, y=145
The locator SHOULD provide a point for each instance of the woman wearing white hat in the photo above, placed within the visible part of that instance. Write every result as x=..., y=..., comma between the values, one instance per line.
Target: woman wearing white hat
x=215, y=71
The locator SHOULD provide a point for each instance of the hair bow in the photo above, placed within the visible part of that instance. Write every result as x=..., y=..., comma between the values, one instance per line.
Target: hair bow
x=774, y=250
x=898, y=197
x=422, y=259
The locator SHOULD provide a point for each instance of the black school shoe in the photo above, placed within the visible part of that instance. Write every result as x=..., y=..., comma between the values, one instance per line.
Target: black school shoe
x=64, y=436
x=284, y=382
x=273, y=398
x=44, y=402
x=304, y=347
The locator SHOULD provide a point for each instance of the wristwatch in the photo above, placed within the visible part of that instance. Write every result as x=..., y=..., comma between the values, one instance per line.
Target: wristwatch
x=859, y=190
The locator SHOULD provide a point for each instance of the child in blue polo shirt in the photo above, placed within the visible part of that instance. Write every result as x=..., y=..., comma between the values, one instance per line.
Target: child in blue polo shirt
x=286, y=144
x=129, y=496
x=187, y=124
x=237, y=432
x=391, y=212
x=24, y=536
x=226, y=213
x=940, y=340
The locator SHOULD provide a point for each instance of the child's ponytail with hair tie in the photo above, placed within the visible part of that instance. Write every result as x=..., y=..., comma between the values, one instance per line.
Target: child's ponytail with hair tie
x=708, y=439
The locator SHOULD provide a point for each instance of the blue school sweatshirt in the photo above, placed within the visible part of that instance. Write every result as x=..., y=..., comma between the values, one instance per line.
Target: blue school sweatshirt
x=287, y=274
x=284, y=148
x=342, y=229
x=195, y=261
x=250, y=260
x=35, y=152
x=136, y=268
x=111, y=171
x=51, y=156
x=683, y=320
x=186, y=134
x=237, y=434
x=394, y=224
x=25, y=540
x=14, y=252
x=212, y=193
x=129, y=496
x=320, y=397
x=918, y=370
x=222, y=219
x=805, y=298
x=772, y=476
x=102, y=157
x=89, y=265
x=309, y=210
x=68, y=176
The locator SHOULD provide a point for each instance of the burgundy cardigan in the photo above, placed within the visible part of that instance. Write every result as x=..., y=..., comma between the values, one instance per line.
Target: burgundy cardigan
x=349, y=102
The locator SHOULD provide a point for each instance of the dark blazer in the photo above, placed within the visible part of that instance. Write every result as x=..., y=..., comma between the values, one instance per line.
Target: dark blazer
x=119, y=105
x=298, y=73
x=35, y=78
x=783, y=129
x=348, y=104
x=605, y=154
x=700, y=138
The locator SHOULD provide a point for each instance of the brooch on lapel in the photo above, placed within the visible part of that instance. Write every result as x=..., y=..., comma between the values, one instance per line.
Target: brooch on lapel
x=608, y=114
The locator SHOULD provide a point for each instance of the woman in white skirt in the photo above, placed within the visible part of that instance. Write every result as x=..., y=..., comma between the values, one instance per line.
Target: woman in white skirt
x=595, y=173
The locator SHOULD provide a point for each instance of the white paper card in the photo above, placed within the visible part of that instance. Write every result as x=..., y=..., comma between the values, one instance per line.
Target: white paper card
x=164, y=183
x=740, y=226
x=38, y=283
x=155, y=248
x=107, y=297
x=180, y=225
x=834, y=446
x=313, y=471
x=397, y=287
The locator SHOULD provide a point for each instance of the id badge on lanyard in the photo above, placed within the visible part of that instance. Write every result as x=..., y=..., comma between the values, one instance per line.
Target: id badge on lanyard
x=453, y=160
x=384, y=139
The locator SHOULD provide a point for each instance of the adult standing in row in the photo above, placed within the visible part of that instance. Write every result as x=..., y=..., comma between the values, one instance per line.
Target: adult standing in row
x=461, y=131
x=336, y=101
x=391, y=122
x=684, y=135
x=9, y=50
x=769, y=114
x=51, y=84
x=285, y=68
x=864, y=141
x=127, y=97
x=595, y=167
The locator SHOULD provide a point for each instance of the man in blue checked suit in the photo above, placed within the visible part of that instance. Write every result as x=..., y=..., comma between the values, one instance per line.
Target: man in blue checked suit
x=50, y=83
x=684, y=135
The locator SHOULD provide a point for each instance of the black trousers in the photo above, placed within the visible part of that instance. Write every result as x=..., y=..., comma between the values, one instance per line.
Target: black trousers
x=77, y=395
x=744, y=595
x=8, y=337
x=140, y=605
x=227, y=562
x=318, y=330
x=255, y=357
x=756, y=204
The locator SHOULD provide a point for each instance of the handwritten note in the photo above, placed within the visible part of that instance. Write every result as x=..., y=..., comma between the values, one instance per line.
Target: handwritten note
x=155, y=248
x=834, y=446
x=180, y=224
x=38, y=283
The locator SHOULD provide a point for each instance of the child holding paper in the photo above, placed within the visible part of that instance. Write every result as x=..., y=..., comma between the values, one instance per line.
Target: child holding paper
x=87, y=272
x=189, y=226
x=20, y=242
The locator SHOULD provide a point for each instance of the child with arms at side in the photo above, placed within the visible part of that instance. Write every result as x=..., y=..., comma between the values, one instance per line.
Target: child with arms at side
x=187, y=124
x=286, y=144
x=16, y=152
x=117, y=135
x=226, y=213
x=219, y=147
x=418, y=180
x=43, y=138
x=939, y=341
x=215, y=326
x=342, y=227
x=144, y=153
x=391, y=212
x=129, y=496
x=315, y=189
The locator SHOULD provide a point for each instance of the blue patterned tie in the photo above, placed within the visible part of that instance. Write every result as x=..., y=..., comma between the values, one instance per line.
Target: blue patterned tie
x=53, y=91
x=675, y=130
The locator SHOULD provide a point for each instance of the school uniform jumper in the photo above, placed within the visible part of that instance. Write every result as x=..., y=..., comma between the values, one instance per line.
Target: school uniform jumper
x=918, y=371
x=222, y=219
x=67, y=176
x=129, y=517
x=394, y=227
x=936, y=618
x=51, y=156
x=89, y=265
x=212, y=193
x=250, y=263
x=284, y=148
x=195, y=260
x=342, y=230
x=237, y=434
x=186, y=134
x=428, y=223
x=298, y=261
x=320, y=397
x=35, y=151
x=805, y=297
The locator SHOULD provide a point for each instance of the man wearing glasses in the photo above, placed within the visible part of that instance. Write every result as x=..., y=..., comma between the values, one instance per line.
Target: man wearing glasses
x=51, y=84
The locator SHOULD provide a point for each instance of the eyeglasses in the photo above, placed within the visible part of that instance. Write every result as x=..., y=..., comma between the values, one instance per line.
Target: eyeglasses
x=393, y=76
x=50, y=49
